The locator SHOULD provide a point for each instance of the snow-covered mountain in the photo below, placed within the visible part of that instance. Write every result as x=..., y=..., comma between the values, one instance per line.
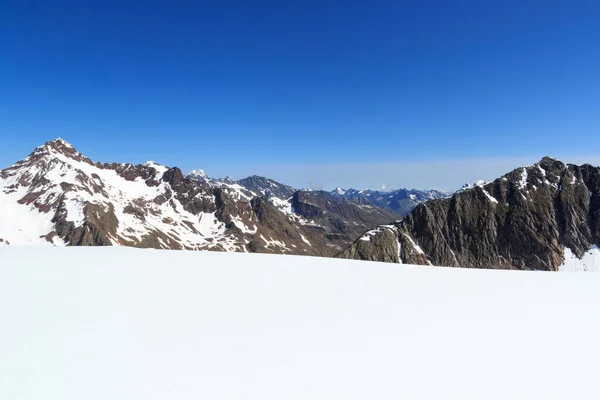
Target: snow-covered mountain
x=58, y=196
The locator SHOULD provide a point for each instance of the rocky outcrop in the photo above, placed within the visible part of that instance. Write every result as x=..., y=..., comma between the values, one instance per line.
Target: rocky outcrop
x=522, y=220
x=99, y=227
x=377, y=245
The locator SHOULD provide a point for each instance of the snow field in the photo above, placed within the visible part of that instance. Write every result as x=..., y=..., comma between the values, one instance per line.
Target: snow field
x=123, y=323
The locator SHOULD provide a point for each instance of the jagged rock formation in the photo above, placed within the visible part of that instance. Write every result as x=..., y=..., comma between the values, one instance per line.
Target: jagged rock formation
x=525, y=219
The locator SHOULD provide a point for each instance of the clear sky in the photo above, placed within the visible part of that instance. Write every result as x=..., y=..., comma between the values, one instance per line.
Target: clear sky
x=341, y=93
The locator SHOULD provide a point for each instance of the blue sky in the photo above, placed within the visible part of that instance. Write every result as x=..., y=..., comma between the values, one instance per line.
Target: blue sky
x=343, y=93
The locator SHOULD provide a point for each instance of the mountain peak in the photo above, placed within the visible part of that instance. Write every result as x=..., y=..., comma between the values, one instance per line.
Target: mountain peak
x=61, y=141
x=57, y=145
x=60, y=145
x=549, y=161
x=57, y=148
x=197, y=173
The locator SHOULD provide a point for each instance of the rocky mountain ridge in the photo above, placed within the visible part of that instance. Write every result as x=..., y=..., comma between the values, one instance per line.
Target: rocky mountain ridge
x=530, y=218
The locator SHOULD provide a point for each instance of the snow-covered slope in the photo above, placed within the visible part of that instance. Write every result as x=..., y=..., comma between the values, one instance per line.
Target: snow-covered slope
x=590, y=261
x=150, y=324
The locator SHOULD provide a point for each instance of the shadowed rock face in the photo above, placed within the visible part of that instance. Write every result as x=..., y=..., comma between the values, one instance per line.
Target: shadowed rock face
x=99, y=226
x=522, y=220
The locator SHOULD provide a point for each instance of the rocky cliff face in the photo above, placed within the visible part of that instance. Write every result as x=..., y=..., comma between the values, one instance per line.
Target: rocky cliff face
x=522, y=220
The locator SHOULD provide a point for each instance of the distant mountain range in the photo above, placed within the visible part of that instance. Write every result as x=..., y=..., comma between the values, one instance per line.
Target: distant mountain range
x=401, y=201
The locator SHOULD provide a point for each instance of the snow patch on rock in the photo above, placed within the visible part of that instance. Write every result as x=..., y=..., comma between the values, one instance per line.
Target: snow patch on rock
x=589, y=262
